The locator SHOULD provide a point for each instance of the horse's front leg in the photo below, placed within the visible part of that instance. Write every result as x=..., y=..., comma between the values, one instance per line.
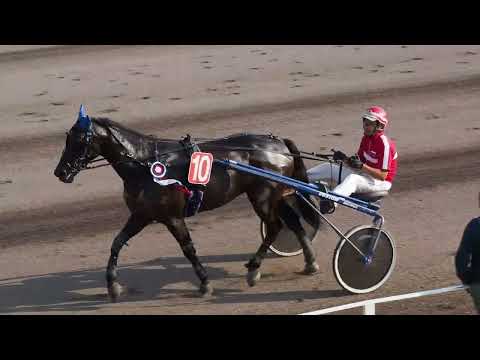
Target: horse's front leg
x=134, y=225
x=179, y=230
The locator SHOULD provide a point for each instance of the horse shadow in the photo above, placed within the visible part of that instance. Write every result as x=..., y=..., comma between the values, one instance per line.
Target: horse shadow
x=85, y=290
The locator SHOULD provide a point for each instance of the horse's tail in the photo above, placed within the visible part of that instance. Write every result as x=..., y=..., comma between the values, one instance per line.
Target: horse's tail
x=299, y=169
x=300, y=173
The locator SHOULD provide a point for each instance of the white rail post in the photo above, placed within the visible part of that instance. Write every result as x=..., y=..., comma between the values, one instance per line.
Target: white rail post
x=369, y=309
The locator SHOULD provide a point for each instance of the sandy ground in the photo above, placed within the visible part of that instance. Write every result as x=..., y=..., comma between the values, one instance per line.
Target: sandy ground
x=55, y=238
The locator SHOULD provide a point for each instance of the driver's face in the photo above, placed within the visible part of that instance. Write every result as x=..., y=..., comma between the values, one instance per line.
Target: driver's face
x=368, y=127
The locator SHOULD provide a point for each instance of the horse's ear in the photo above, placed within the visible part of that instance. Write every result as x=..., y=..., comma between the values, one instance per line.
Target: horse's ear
x=83, y=120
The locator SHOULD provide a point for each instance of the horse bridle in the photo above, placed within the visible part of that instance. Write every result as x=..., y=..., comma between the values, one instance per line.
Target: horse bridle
x=81, y=162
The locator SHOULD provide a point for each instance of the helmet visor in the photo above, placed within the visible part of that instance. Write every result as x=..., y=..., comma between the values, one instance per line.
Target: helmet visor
x=368, y=117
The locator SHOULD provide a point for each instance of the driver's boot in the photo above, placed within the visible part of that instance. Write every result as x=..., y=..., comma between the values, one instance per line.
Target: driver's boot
x=326, y=206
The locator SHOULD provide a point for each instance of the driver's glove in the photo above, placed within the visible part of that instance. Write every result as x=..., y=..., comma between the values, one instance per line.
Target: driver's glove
x=354, y=162
x=338, y=155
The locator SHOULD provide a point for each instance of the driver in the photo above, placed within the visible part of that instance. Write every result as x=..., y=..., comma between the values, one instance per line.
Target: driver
x=374, y=166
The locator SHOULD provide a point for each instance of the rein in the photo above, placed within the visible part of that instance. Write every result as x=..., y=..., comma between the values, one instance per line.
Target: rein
x=302, y=155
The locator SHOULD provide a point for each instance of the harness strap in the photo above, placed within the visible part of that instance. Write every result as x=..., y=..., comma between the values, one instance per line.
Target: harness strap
x=191, y=147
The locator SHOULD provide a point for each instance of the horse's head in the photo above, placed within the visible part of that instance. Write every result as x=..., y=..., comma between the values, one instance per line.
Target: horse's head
x=80, y=148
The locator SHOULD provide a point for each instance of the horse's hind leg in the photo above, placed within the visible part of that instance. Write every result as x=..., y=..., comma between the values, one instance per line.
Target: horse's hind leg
x=292, y=220
x=179, y=230
x=261, y=199
x=134, y=225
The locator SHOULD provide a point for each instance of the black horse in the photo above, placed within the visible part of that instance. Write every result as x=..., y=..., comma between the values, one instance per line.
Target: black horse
x=130, y=154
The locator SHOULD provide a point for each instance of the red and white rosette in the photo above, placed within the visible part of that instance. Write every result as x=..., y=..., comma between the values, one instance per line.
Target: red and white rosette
x=158, y=170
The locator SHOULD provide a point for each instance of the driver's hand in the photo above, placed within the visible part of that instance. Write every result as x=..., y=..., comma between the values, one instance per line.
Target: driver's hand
x=339, y=156
x=354, y=162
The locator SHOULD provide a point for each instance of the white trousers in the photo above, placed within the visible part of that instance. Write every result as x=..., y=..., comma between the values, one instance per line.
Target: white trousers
x=351, y=181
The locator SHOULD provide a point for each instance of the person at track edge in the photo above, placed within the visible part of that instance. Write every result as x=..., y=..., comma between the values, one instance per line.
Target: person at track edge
x=467, y=259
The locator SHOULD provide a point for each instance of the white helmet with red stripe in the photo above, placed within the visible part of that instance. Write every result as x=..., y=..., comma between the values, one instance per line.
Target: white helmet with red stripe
x=376, y=113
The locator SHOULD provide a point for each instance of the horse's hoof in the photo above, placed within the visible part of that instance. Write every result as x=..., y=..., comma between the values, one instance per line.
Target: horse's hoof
x=114, y=291
x=311, y=268
x=253, y=276
x=206, y=289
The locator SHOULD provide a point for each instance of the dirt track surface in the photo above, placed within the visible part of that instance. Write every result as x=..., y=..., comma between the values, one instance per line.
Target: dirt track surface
x=55, y=238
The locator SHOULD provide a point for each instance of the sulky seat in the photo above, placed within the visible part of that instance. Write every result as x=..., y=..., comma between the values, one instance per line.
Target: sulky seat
x=372, y=197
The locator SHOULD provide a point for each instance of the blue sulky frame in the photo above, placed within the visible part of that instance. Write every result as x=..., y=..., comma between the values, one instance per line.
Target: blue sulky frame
x=305, y=188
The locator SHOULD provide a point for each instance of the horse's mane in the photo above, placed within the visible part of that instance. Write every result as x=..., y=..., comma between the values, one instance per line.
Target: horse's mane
x=125, y=130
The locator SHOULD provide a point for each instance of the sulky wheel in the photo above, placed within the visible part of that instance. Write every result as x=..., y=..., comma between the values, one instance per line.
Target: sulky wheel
x=286, y=243
x=355, y=273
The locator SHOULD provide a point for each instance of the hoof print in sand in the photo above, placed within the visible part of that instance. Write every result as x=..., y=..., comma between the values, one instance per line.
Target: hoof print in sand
x=357, y=67
x=205, y=62
x=230, y=81
x=115, y=96
x=235, y=93
x=432, y=117
x=175, y=98
x=374, y=70
x=211, y=89
x=296, y=86
x=337, y=134
x=406, y=71
x=36, y=121
x=108, y=111
x=76, y=79
x=42, y=93
x=462, y=62
x=312, y=75
x=60, y=77
x=27, y=114
x=7, y=181
x=57, y=103
x=296, y=73
x=469, y=53
x=255, y=68
x=145, y=97
x=136, y=73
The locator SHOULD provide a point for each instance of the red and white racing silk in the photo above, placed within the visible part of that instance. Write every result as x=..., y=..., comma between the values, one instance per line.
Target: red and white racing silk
x=379, y=152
